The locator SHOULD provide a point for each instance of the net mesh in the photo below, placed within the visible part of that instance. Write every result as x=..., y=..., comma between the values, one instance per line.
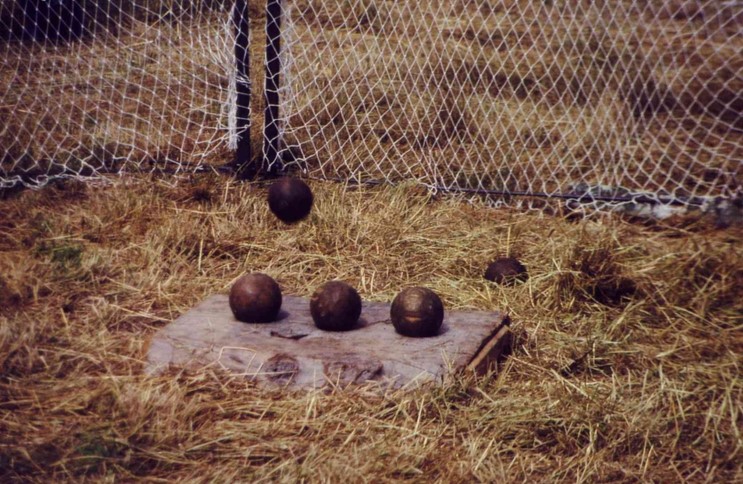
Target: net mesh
x=621, y=100
x=92, y=87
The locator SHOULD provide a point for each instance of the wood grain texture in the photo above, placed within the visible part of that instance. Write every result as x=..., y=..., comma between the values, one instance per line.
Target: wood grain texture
x=292, y=352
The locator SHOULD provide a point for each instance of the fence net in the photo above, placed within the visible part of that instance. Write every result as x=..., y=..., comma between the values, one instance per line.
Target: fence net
x=100, y=86
x=616, y=100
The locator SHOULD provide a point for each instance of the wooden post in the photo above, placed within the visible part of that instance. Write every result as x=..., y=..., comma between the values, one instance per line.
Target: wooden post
x=271, y=136
x=243, y=162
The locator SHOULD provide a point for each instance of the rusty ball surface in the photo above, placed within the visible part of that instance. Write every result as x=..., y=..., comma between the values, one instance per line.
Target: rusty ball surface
x=506, y=270
x=417, y=312
x=335, y=306
x=255, y=298
x=290, y=199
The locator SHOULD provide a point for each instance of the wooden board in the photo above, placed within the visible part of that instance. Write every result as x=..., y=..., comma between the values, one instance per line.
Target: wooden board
x=292, y=352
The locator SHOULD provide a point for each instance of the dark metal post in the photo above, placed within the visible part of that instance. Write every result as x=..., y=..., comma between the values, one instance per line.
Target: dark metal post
x=271, y=139
x=242, y=163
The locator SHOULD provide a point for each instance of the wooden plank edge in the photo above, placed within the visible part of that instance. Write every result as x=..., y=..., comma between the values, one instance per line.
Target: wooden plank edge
x=492, y=350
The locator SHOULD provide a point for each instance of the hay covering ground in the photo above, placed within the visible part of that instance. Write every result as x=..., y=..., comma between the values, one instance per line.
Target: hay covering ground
x=626, y=366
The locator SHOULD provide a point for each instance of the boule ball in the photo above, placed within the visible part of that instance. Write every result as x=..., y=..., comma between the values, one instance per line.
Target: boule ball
x=335, y=306
x=290, y=199
x=417, y=312
x=255, y=298
x=506, y=270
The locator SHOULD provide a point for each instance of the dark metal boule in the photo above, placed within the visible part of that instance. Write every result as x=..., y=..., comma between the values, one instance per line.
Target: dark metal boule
x=335, y=306
x=417, y=312
x=255, y=298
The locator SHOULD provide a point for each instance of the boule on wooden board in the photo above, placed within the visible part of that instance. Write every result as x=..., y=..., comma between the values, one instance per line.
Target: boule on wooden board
x=294, y=353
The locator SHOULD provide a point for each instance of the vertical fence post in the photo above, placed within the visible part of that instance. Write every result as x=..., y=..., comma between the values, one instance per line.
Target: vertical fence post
x=271, y=136
x=244, y=156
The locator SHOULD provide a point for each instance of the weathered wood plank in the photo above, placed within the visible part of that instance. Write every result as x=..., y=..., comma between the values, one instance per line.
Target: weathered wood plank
x=293, y=352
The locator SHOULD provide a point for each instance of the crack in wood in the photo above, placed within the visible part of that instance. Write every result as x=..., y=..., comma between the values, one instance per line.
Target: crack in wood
x=294, y=336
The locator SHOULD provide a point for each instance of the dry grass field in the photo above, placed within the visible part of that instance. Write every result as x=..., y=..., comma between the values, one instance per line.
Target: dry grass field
x=628, y=334
x=626, y=365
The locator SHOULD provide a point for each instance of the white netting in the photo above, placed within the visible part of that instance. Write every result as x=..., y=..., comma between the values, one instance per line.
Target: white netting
x=608, y=98
x=92, y=86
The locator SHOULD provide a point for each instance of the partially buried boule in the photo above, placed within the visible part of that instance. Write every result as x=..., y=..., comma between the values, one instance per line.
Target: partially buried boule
x=335, y=306
x=417, y=312
x=506, y=270
x=255, y=298
x=290, y=199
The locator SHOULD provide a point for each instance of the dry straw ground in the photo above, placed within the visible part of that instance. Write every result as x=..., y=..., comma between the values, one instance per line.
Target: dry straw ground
x=626, y=366
x=629, y=336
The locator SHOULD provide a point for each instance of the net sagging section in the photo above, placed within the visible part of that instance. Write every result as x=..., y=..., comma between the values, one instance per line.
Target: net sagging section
x=611, y=99
x=101, y=86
